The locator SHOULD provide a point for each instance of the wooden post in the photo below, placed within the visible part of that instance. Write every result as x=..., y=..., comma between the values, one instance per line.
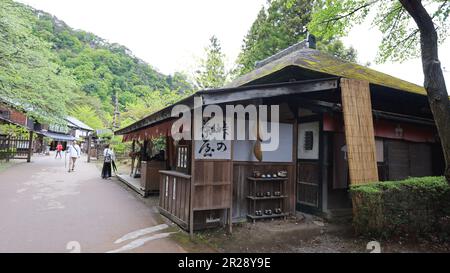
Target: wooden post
x=192, y=188
x=30, y=147
x=89, y=148
x=133, y=156
x=8, y=147
x=230, y=209
x=292, y=199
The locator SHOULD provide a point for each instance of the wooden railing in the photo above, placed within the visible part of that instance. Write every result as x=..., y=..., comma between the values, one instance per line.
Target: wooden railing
x=14, y=147
x=175, y=196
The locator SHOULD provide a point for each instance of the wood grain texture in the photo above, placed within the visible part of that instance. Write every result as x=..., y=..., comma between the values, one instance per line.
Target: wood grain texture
x=174, y=198
x=359, y=132
x=212, y=184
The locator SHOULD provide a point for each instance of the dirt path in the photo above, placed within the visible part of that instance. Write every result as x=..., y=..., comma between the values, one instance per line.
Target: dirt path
x=43, y=208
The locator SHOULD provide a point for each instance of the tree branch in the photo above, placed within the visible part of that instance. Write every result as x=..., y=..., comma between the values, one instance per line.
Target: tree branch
x=350, y=13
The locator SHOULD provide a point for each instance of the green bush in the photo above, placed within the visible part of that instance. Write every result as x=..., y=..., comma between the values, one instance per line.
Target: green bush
x=415, y=207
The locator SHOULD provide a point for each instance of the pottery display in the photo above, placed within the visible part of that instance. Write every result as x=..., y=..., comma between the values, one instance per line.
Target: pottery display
x=256, y=174
x=268, y=212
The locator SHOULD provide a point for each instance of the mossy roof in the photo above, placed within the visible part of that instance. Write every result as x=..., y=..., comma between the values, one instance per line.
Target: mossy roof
x=318, y=61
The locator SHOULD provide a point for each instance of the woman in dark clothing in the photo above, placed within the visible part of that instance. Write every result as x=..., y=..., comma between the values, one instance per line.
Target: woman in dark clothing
x=108, y=158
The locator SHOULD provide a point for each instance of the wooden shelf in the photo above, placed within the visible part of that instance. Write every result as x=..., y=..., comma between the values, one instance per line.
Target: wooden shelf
x=267, y=179
x=257, y=185
x=213, y=184
x=210, y=208
x=254, y=217
x=266, y=198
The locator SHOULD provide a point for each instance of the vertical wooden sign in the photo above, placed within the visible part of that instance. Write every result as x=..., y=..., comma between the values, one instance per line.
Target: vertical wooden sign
x=359, y=132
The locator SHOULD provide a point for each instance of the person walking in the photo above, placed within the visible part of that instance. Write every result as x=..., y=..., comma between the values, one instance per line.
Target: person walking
x=108, y=159
x=59, y=148
x=74, y=152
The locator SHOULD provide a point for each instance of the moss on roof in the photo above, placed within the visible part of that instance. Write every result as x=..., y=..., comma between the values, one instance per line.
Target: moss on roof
x=325, y=63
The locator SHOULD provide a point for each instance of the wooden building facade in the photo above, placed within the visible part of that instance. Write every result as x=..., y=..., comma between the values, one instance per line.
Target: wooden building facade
x=340, y=124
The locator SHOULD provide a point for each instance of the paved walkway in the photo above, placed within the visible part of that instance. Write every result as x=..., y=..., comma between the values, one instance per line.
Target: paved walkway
x=43, y=208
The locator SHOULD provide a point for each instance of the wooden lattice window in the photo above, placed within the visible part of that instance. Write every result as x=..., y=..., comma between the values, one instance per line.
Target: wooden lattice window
x=183, y=158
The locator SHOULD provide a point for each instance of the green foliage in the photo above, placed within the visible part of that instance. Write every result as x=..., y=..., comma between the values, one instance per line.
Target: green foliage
x=334, y=18
x=280, y=26
x=48, y=69
x=119, y=147
x=88, y=115
x=212, y=73
x=159, y=144
x=412, y=207
x=149, y=104
x=13, y=130
x=30, y=77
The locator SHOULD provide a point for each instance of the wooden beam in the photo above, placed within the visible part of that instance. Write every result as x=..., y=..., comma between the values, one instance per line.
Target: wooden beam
x=359, y=131
x=224, y=96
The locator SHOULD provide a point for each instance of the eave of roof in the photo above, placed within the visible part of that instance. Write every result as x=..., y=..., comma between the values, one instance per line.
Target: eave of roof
x=318, y=61
x=57, y=136
x=74, y=122
x=308, y=59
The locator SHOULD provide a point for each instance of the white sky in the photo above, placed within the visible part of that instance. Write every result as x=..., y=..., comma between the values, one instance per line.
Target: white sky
x=171, y=34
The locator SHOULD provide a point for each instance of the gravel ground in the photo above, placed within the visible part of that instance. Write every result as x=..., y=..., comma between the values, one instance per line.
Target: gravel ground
x=305, y=234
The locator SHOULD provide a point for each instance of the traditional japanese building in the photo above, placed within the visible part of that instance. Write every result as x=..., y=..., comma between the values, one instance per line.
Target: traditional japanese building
x=340, y=123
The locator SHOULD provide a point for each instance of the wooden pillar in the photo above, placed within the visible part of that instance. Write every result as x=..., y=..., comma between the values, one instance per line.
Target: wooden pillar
x=192, y=186
x=89, y=148
x=30, y=147
x=359, y=131
x=230, y=209
x=133, y=145
x=8, y=147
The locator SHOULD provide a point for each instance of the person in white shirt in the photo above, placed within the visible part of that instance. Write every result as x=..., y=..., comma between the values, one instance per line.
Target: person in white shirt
x=108, y=159
x=74, y=152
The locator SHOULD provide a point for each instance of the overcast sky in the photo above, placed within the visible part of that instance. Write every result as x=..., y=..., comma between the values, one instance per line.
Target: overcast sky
x=171, y=34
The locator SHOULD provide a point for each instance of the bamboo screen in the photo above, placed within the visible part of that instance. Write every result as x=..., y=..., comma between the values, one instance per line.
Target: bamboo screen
x=359, y=132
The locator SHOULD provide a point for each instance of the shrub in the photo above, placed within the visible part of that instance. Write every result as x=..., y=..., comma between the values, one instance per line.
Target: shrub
x=415, y=207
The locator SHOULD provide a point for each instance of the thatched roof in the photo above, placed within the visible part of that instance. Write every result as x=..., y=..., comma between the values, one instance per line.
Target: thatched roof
x=314, y=60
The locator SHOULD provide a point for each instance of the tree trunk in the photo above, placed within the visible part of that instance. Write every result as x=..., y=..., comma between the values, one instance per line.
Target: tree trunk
x=434, y=82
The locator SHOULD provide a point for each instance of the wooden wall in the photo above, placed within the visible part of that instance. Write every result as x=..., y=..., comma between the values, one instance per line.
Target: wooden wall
x=242, y=170
x=405, y=159
x=212, y=184
x=175, y=196
x=359, y=132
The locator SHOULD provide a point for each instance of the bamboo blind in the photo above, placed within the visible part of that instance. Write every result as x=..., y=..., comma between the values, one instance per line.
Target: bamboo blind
x=359, y=132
